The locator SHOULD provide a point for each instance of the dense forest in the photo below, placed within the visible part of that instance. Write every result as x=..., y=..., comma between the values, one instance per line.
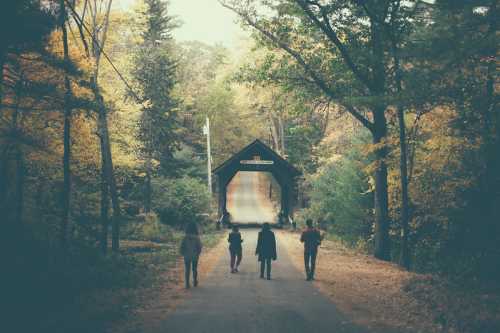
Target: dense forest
x=389, y=108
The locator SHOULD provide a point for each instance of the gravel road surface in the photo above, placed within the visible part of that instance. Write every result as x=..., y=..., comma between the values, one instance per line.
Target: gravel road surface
x=243, y=302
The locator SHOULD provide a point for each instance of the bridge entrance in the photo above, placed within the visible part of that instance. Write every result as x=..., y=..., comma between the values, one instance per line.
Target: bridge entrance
x=256, y=157
x=253, y=198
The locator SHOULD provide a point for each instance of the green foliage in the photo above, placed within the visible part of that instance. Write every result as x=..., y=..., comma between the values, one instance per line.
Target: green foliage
x=147, y=227
x=341, y=197
x=187, y=162
x=302, y=137
x=155, y=76
x=180, y=201
x=158, y=23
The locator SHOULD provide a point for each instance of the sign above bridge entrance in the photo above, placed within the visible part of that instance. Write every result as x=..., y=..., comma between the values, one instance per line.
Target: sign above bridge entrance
x=256, y=162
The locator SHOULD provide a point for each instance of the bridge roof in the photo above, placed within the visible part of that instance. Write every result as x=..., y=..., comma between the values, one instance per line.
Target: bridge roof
x=257, y=148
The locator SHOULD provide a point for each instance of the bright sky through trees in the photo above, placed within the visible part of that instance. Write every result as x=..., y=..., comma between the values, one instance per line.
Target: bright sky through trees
x=203, y=20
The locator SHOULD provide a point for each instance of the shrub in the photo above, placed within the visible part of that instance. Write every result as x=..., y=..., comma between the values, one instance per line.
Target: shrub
x=180, y=201
x=340, y=197
x=147, y=227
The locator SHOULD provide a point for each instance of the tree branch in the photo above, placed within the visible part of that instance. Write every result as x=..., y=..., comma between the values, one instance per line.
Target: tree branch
x=318, y=80
x=326, y=27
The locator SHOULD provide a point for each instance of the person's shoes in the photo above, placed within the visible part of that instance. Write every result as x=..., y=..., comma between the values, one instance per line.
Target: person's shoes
x=232, y=270
x=308, y=278
x=262, y=276
x=269, y=278
x=188, y=286
x=195, y=283
x=236, y=270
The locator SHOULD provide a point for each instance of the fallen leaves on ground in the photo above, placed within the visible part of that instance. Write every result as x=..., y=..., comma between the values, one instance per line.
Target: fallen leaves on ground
x=156, y=303
x=381, y=295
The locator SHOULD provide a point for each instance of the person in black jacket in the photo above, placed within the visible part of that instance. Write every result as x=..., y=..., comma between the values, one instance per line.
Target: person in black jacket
x=311, y=238
x=266, y=249
x=235, y=249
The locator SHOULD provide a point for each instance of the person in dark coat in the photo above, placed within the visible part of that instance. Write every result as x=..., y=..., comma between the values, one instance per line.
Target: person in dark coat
x=190, y=249
x=311, y=238
x=235, y=249
x=266, y=249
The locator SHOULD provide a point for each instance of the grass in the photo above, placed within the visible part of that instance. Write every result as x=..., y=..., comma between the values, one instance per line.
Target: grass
x=85, y=291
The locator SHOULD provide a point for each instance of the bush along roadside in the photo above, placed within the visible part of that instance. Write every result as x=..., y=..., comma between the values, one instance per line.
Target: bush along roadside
x=86, y=291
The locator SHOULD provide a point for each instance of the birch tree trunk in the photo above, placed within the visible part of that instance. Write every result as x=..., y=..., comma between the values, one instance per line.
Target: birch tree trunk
x=108, y=182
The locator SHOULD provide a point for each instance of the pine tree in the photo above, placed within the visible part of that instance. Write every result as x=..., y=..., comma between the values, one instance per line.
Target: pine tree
x=154, y=74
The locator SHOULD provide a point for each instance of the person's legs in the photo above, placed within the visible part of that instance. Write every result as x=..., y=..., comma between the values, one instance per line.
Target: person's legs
x=306, y=264
x=195, y=271
x=268, y=264
x=233, y=259
x=313, y=263
x=262, y=266
x=187, y=271
x=238, y=262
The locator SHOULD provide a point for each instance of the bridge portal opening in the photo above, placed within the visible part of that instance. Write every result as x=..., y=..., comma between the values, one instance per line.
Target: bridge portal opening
x=254, y=159
x=253, y=198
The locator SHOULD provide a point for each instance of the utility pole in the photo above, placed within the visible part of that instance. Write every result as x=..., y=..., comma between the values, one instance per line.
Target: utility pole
x=206, y=131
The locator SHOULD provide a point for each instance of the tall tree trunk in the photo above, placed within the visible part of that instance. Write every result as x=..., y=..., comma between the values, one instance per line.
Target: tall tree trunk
x=5, y=150
x=379, y=132
x=19, y=198
x=404, y=259
x=274, y=133
x=2, y=63
x=4, y=183
x=382, y=241
x=14, y=204
x=108, y=182
x=66, y=193
x=403, y=166
x=100, y=35
x=102, y=127
x=490, y=179
x=282, y=134
x=104, y=203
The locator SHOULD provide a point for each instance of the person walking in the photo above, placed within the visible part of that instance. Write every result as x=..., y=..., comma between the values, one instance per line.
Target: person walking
x=266, y=250
x=235, y=249
x=311, y=238
x=190, y=250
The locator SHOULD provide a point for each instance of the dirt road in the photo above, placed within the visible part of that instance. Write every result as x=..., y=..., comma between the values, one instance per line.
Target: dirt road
x=243, y=302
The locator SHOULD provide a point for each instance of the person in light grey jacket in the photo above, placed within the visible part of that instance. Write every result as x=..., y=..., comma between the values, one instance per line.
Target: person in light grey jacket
x=190, y=250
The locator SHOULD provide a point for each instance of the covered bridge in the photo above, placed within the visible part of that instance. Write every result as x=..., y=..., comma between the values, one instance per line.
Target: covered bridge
x=258, y=157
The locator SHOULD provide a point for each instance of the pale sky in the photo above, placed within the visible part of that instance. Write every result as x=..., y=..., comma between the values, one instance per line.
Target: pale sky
x=203, y=20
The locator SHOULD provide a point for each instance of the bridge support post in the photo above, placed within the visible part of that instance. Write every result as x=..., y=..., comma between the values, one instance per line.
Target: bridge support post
x=285, y=201
x=223, y=214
